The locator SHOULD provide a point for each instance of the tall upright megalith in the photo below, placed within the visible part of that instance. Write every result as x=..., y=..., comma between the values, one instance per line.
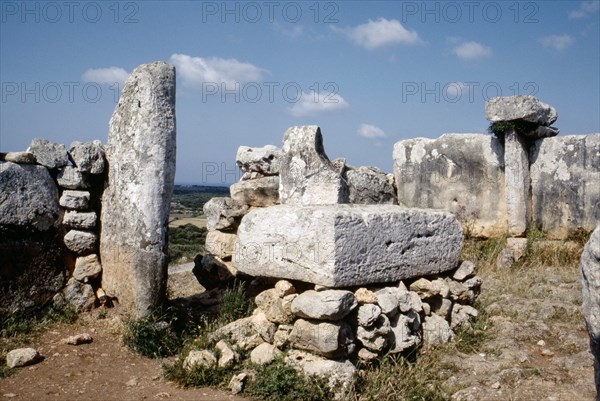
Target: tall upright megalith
x=137, y=197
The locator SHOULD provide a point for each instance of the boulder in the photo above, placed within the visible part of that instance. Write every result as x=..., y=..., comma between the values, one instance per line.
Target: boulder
x=87, y=268
x=203, y=358
x=223, y=214
x=28, y=196
x=22, y=357
x=330, y=339
x=346, y=245
x=324, y=305
x=241, y=333
x=81, y=242
x=71, y=178
x=88, y=157
x=522, y=107
x=77, y=200
x=264, y=161
x=49, y=154
x=461, y=173
x=590, y=290
x=220, y=244
x=80, y=220
x=369, y=185
x=258, y=192
x=136, y=201
x=307, y=176
x=264, y=353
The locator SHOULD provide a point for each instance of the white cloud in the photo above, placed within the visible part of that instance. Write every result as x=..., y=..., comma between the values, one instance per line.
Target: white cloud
x=108, y=75
x=196, y=70
x=314, y=103
x=585, y=8
x=472, y=51
x=370, y=131
x=558, y=42
x=382, y=32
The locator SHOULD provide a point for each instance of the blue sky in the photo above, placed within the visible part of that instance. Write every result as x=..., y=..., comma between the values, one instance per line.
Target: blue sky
x=369, y=73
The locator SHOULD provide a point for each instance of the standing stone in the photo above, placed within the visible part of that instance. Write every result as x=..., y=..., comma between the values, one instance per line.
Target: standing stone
x=307, y=176
x=516, y=162
x=347, y=245
x=590, y=283
x=523, y=107
x=49, y=154
x=88, y=157
x=136, y=201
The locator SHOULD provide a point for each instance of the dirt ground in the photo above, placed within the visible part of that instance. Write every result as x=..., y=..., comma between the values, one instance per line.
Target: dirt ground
x=539, y=351
x=104, y=370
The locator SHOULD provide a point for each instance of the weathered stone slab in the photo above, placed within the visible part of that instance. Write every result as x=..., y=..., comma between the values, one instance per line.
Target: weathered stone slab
x=307, y=176
x=346, y=245
x=264, y=161
x=369, y=186
x=223, y=213
x=259, y=192
x=136, y=202
x=523, y=107
x=19, y=157
x=28, y=196
x=461, y=173
x=49, y=154
x=330, y=339
x=565, y=189
x=88, y=157
x=516, y=171
x=590, y=287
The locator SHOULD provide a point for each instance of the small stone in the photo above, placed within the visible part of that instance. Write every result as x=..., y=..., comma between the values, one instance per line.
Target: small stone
x=228, y=356
x=464, y=271
x=441, y=306
x=541, y=343
x=388, y=299
x=461, y=314
x=330, y=339
x=78, y=339
x=495, y=386
x=375, y=338
x=282, y=335
x=284, y=288
x=20, y=157
x=366, y=356
x=77, y=200
x=87, y=268
x=415, y=301
x=547, y=352
x=202, y=358
x=263, y=326
x=368, y=314
x=424, y=288
x=88, y=157
x=81, y=242
x=426, y=309
x=324, y=305
x=236, y=384
x=76, y=294
x=364, y=296
x=505, y=259
x=518, y=246
x=80, y=220
x=271, y=304
x=264, y=161
x=405, y=332
x=223, y=214
x=264, y=353
x=134, y=381
x=22, y=357
x=436, y=330
x=241, y=333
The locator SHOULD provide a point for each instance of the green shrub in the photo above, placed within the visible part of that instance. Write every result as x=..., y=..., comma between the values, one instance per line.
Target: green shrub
x=235, y=304
x=197, y=376
x=186, y=241
x=152, y=336
x=277, y=381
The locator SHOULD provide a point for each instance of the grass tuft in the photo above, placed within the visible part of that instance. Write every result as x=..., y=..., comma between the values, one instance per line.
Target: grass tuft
x=152, y=336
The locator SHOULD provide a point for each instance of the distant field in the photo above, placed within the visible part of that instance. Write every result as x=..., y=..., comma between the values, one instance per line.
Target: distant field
x=199, y=221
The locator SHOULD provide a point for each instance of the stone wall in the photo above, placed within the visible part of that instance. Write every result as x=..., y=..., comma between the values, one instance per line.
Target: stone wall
x=49, y=206
x=509, y=183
